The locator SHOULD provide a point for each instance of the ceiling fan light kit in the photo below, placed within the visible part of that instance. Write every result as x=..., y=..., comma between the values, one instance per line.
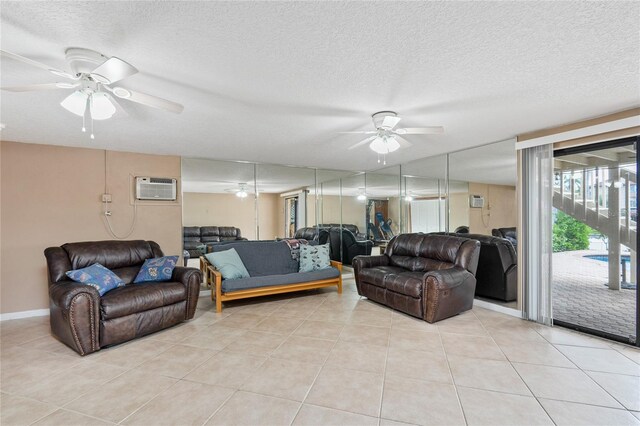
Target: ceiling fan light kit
x=92, y=73
x=386, y=137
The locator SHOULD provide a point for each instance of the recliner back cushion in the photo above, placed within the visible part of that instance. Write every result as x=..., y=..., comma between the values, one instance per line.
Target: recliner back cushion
x=209, y=234
x=111, y=254
x=424, y=252
x=228, y=232
x=262, y=258
x=191, y=232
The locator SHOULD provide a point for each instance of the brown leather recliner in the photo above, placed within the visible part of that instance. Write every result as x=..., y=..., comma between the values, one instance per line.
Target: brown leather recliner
x=427, y=276
x=86, y=322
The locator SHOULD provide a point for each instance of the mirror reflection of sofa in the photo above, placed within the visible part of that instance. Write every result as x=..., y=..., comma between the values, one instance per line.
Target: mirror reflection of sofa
x=497, y=273
x=508, y=233
x=353, y=228
x=194, y=236
x=351, y=247
x=312, y=233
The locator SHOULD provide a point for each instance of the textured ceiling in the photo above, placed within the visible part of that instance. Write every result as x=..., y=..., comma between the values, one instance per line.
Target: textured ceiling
x=275, y=81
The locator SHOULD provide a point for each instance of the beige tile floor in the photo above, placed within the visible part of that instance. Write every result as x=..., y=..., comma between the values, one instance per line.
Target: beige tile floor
x=318, y=358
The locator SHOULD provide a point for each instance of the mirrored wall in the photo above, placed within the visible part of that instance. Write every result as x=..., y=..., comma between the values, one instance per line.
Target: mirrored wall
x=470, y=192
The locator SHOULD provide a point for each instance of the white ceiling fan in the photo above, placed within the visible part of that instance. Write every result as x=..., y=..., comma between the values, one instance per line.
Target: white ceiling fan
x=92, y=76
x=241, y=191
x=387, y=138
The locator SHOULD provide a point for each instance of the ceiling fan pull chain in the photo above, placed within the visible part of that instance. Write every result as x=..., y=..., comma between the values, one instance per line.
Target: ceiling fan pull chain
x=91, y=109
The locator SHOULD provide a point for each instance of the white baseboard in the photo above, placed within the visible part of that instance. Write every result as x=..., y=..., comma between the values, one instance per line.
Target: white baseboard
x=24, y=314
x=205, y=293
x=498, y=308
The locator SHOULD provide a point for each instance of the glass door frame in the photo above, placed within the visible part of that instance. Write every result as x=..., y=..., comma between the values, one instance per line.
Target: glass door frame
x=596, y=147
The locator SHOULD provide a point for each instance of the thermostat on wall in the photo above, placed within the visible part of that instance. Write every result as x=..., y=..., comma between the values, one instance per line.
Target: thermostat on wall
x=476, y=201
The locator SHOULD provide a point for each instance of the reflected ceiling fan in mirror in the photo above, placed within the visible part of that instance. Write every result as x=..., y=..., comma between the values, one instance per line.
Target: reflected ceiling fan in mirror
x=92, y=76
x=241, y=191
x=387, y=138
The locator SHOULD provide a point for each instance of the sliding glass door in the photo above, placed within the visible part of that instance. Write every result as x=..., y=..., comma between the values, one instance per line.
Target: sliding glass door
x=594, y=281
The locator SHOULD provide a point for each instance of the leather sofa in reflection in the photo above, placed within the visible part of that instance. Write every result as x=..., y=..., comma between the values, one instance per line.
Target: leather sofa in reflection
x=509, y=233
x=194, y=236
x=497, y=274
x=87, y=322
x=424, y=275
x=352, y=228
x=351, y=247
x=312, y=233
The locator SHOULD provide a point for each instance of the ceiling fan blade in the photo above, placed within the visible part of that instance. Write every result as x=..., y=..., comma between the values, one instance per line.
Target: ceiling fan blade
x=420, y=130
x=148, y=100
x=36, y=64
x=403, y=142
x=39, y=87
x=390, y=122
x=360, y=133
x=112, y=70
x=359, y=144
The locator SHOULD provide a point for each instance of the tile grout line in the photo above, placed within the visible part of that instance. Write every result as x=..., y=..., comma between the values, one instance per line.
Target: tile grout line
x=585, y=371
x=384, y=371
x=319, y=371
x=520, y=376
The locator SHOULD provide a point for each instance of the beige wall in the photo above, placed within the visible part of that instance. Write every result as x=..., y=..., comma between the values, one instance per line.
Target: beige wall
x=458, y=210
x=500, y=208
x=52, y=195
x=353, y=211
x=206, y=209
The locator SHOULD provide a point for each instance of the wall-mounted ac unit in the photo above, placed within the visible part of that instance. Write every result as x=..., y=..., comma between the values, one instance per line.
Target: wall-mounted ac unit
x=476, y=201
x=161, y=189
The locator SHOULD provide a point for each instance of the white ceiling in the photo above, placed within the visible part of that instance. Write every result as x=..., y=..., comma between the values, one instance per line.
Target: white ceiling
x=275, y=81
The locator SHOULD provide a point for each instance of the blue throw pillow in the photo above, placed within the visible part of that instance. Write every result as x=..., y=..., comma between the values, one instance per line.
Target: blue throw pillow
x=98, y=277
x=156, y=269
x=229, y=264
x=313, y=258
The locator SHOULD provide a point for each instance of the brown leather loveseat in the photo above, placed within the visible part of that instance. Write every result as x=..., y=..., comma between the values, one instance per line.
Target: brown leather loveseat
x=86, y=322
x=427, y=276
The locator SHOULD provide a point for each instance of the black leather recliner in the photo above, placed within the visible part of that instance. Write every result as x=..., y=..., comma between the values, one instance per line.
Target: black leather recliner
x=351, y=247
x=509, y=233
x=497, y=273
x=353, y=228
x=311, y=233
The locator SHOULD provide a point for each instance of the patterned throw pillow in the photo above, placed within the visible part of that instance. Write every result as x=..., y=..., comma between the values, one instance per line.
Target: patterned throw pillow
x=229, y=263
x=313, y=258
x=156, y=269
x=98, y=277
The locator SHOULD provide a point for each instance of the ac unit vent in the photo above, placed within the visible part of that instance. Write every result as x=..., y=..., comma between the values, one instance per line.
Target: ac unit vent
x=476, y=201
x=160, y=189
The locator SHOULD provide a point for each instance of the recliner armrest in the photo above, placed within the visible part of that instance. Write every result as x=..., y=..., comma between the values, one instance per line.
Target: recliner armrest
x=363, y=262
x=448, y=291
x=447, y=278
x=75, y=315
x=62, y=293
x=191, y=278
x=185, y=274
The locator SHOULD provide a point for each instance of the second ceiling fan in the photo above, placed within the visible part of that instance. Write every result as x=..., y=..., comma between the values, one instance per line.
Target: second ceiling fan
x=387, y=138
